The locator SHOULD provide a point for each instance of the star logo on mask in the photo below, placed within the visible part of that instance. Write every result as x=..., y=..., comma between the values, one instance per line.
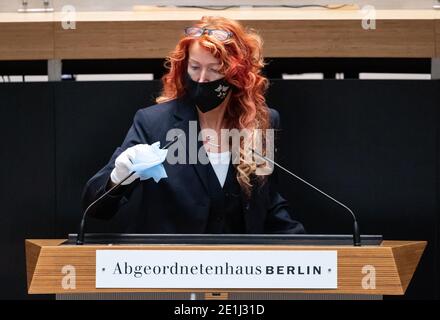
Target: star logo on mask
x=222, y=91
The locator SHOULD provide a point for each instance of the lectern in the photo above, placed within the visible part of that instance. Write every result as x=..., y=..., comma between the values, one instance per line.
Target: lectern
x=221, y=266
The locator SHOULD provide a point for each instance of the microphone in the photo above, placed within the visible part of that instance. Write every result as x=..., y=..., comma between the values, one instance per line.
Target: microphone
x=356, y=231
x=80, y=238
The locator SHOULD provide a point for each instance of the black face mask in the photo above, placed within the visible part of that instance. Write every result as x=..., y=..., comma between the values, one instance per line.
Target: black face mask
x=207, y=95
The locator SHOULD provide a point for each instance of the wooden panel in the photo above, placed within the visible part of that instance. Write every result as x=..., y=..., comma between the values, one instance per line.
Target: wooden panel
x=26, y=41
x=117, y=39
x=346, y=38
x=47, y=277
x=294, y=38
x=407, y=258
x=216, y=296
x=437, y=38
x=32, y=254
x=152, y=32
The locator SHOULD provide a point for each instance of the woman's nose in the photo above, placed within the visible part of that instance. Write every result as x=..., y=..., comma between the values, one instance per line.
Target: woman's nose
x=203, y=76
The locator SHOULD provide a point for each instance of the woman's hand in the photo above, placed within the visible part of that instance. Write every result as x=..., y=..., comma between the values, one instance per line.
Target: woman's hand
x=123, y=165
x=141, y=158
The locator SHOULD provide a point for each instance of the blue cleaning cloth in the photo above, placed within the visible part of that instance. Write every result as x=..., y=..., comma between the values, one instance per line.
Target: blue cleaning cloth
x=148, y=164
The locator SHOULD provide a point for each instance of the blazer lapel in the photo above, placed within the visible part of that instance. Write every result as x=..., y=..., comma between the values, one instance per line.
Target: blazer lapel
x=186, y=112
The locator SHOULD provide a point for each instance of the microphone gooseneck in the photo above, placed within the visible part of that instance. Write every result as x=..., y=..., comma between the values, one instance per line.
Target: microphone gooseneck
x=356, y=231
x=80, y=238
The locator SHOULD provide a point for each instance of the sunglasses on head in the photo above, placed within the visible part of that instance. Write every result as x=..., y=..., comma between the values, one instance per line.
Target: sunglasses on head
x=196, y=32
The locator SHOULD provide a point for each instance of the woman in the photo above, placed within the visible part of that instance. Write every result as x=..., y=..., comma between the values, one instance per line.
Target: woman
x=214, y=77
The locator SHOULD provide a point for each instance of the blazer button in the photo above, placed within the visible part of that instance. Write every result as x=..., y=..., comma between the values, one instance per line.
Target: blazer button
x=219, y=219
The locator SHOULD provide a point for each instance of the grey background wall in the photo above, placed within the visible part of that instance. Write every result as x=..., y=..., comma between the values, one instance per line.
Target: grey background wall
x=115, y=5
x=372, y=144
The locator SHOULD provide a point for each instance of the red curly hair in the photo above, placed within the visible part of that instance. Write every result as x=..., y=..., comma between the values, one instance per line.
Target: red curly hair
x=241, y=63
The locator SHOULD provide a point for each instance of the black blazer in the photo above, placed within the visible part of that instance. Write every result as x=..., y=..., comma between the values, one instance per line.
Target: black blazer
x=181, y=203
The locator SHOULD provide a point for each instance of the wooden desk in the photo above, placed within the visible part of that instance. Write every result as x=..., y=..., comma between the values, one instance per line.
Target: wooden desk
x=394, y=262
x=152, y=32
